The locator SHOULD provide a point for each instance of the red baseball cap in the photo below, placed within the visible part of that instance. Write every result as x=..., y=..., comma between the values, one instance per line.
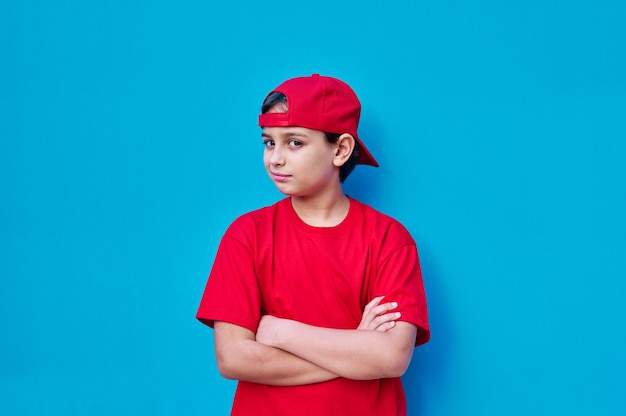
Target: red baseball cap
x=320, y=103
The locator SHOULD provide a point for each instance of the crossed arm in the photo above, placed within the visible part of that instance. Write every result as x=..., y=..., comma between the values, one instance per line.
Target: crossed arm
x=286, y=352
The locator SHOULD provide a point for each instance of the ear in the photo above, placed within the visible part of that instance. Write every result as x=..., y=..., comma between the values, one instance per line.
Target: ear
x=343, y=149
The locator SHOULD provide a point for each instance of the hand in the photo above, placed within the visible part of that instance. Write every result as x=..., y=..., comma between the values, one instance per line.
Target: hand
x=377, y=316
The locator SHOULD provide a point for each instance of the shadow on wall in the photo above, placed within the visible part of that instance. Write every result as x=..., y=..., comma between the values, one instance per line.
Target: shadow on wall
x=425, y=380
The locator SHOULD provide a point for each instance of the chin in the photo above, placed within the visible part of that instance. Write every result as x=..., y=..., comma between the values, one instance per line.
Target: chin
x=283, y=190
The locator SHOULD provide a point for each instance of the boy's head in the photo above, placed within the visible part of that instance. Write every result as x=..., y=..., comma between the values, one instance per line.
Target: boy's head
x=318, y=103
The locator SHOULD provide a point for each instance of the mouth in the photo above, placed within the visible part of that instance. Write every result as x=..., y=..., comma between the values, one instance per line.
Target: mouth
x=280, y=177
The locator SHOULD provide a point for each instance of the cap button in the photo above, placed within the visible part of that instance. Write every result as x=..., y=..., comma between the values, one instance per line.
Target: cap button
x=315, y=75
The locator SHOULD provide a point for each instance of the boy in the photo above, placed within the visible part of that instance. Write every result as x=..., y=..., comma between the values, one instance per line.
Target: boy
x=295, y=295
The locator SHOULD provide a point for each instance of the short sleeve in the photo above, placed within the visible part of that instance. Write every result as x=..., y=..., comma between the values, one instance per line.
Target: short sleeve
x=399, y=279
x=232, y=292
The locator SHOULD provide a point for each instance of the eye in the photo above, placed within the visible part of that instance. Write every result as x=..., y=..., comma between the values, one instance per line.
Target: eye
x=268, y=143
x=295, y=143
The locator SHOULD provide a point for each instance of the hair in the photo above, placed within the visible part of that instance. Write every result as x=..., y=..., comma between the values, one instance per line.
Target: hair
x=278, y=99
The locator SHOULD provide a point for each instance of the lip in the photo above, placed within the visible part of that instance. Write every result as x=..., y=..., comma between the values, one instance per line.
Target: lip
x=279, y=177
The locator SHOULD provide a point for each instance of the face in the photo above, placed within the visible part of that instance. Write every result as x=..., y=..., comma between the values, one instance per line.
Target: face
x=299, y=160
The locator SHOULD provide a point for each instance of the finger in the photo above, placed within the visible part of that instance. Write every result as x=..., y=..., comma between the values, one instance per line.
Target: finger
x=384, y=308
x=372, y=304
x=368, y=320
x=386, y=326
x=385, y=319
x=368, y=316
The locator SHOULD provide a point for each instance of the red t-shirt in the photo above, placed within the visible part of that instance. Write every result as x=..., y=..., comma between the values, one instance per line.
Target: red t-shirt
x=271, y=262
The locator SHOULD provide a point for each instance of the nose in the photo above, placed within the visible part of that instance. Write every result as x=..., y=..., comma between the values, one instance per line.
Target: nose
x=276, y=156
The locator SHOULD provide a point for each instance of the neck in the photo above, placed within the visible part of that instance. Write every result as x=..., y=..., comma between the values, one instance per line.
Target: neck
x=327, y=210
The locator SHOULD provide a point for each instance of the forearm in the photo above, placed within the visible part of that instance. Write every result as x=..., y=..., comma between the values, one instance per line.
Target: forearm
x=354, y=354
x=241, y=357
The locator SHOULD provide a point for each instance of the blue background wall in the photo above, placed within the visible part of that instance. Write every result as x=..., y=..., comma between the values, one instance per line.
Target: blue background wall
x=128, y=143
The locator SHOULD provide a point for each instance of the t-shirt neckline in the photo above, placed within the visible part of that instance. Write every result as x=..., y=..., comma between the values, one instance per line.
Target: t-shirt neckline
x=345, y=223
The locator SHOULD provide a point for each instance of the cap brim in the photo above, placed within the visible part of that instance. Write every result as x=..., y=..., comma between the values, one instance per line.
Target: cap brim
x=365, y=157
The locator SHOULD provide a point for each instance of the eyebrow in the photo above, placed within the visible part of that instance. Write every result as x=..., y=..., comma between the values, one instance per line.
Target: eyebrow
x=287, y=133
